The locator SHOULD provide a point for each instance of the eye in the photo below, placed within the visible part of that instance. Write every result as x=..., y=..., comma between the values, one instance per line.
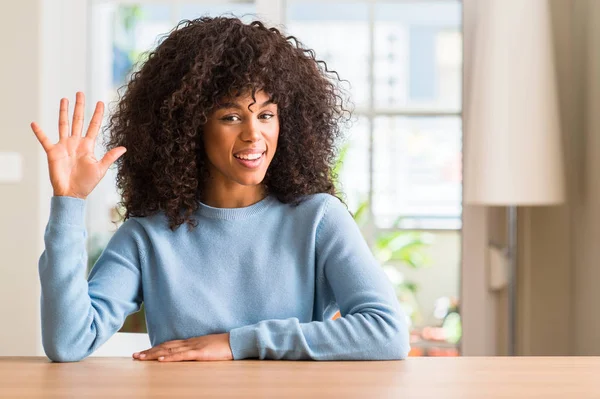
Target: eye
x=230, y=118
x=267, y=116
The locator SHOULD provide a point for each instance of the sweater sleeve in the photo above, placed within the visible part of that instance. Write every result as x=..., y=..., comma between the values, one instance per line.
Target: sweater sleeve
x=372, y=326
x=79, y=314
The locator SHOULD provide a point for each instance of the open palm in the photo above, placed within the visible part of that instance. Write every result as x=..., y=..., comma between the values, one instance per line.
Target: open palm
x=74, y=170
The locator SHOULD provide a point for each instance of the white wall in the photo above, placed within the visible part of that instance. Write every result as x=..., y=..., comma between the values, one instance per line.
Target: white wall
x=43, y=59
x=19, y=231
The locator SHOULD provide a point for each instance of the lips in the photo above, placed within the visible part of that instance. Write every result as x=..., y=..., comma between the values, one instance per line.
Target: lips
x=250, y=161
x=249, y=152
x=249, y=157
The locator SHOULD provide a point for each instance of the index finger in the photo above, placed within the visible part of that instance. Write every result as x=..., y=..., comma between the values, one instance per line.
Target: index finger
x=94, y=127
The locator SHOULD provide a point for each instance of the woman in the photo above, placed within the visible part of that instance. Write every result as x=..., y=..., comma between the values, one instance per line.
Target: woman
x=234, y=238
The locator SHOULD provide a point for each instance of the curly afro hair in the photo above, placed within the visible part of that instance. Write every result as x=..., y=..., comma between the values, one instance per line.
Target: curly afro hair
x=161, y=114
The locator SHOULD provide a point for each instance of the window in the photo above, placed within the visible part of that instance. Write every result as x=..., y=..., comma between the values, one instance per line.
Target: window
x=402, y=161
x=401, y=166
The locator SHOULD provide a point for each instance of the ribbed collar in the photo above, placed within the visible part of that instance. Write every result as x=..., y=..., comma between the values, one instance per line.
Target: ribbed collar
x=236, y=213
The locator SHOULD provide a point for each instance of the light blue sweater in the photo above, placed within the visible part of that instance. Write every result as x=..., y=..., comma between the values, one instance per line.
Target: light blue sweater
x=270, y=274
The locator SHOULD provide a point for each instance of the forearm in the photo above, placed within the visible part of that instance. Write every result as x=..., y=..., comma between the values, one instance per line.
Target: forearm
x=375, y=334
x=67, y=315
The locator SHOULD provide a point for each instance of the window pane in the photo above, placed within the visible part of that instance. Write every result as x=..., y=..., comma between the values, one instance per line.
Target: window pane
x=338, y=32
x=136, y=29
x=418, y=55
x=417, y=172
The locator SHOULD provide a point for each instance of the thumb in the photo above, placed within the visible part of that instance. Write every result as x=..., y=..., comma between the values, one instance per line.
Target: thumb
x=110, y=157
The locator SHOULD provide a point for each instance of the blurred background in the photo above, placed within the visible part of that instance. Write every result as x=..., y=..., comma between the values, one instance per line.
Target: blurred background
x=437, y=85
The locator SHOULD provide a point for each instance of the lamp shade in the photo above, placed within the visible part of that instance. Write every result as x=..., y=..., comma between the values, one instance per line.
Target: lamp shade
x=512, y=143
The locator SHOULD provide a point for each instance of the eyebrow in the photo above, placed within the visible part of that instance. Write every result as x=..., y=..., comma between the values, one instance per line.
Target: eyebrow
x=238, y=106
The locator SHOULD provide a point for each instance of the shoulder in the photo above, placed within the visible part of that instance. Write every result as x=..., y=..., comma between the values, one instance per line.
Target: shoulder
x=131, y=229
x=155, y=223
x=326, y=210
x=319, y=205
x=143, y=231
x=335, y=224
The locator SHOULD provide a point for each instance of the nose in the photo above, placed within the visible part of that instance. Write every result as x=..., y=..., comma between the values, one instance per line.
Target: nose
x=251, y=131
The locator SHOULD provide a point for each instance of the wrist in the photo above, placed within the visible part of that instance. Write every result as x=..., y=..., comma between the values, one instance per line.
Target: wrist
x=67, y=210
x=60, y=194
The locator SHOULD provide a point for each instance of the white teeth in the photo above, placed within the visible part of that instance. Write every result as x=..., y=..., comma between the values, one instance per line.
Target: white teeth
x=249, y=157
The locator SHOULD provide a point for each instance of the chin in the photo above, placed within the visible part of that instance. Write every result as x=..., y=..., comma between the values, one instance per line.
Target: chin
x=251, y=180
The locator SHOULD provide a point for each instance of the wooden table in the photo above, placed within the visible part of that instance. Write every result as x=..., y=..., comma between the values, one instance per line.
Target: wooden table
x=501, y=377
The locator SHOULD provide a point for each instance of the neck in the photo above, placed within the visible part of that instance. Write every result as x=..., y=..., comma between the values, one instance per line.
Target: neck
x=233, y=197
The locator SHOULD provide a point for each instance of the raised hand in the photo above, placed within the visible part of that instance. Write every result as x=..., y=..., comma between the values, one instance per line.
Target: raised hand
x=74, y=170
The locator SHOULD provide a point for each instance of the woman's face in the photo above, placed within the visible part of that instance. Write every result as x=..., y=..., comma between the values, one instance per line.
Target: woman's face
x=240, y=142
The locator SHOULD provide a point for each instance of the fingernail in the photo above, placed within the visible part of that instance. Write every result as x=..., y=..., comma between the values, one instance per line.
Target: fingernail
x=136, y=354
x=143, y=355
x=161, y=358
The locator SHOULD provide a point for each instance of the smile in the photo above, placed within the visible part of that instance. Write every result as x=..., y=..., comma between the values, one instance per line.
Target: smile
x=250, y=161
